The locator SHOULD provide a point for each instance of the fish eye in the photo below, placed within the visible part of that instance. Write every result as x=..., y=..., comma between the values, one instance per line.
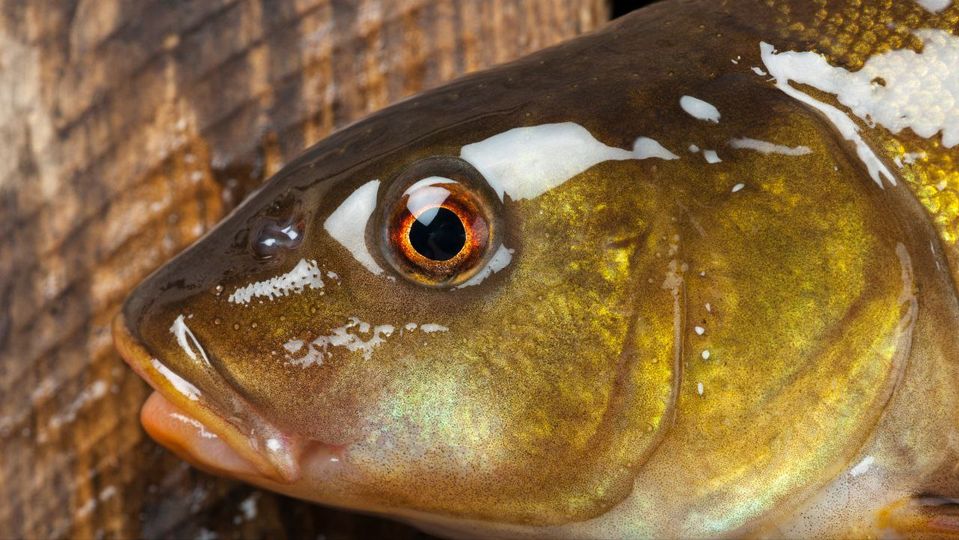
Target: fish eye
x=440, y=221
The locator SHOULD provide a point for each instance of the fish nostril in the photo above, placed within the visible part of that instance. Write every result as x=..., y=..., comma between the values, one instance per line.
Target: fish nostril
x=272, y=237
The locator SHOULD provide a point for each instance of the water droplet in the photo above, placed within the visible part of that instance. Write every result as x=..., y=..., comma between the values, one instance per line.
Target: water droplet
x=217, y=321
x=236, y=326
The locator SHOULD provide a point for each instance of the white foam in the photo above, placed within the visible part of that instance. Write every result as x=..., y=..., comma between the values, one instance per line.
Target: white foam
x=699, y=109
x=645, y=148
x=898, y=89
x=347, y=224
x=768, y=147
x=526, y=162
x=802, y=67
x=306, y=274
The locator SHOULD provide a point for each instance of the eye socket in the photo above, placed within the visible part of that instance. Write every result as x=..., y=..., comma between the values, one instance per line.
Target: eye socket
x=440, y=222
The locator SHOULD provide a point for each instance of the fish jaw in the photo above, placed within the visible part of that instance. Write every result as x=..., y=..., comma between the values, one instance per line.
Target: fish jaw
x=204, y=436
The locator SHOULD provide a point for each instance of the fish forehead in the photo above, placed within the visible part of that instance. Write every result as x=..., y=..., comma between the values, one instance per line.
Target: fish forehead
x=525, y=95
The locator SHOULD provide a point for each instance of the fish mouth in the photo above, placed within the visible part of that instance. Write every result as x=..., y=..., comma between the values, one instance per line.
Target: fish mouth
x=186, y=421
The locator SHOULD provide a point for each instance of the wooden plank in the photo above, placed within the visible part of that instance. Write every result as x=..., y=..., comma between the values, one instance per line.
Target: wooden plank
x=131, y=127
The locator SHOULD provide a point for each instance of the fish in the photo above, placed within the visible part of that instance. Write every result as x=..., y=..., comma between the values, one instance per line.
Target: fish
x=691, y=275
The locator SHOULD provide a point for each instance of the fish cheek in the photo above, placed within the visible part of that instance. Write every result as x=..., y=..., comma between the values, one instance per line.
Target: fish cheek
x=544, y=397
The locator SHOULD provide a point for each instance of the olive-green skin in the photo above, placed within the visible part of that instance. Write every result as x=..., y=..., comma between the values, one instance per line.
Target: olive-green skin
x=571, y=394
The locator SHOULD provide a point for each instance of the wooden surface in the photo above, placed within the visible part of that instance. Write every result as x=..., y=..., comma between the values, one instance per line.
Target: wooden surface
x=128, y=128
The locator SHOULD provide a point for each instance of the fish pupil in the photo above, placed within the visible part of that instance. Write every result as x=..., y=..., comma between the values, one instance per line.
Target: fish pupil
x=438, y=235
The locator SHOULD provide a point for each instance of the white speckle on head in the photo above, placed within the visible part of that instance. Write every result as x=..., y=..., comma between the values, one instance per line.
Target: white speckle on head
x=746, y=143
x=179, y=383
x=934, y=6
x=699, y=388
x=306, y=274
x=759, y=71
x=862, y=467
x=699, y=109
x=910, y=158
x=294, y=345
x=693, y=148
x=699, y=330
x=705, y=354
x=711, y=156
x=709, y=308
x=429, y=328
x=499, y=261
x=201, y=429
x=738, y=187
x=526, y=162
x=410, y=326
x=351, y=336
x=645, y=148
x=347, y=224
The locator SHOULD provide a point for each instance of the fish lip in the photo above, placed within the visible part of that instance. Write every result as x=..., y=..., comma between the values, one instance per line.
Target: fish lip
x=282, y=467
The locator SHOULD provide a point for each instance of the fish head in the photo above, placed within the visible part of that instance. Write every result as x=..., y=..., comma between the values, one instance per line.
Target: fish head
x=338, y=352
x=523, y=296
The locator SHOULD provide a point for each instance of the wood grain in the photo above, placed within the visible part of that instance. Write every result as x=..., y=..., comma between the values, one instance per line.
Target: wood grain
x=127, y=129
